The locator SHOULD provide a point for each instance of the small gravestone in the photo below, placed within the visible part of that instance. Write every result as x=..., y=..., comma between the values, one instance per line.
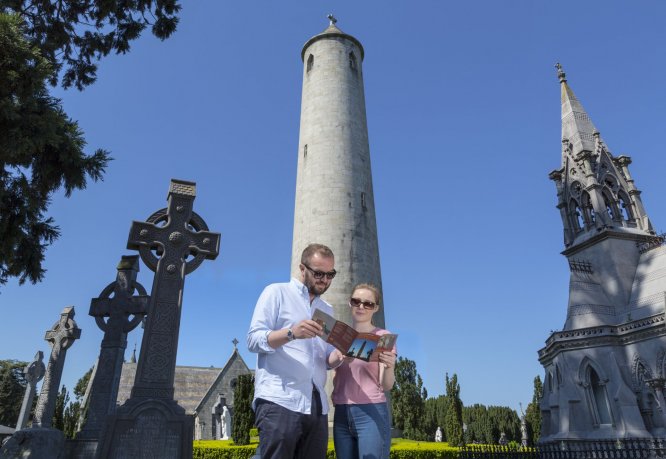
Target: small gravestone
x=33, y=373
x=117, y=312
x=42, y=441
x=173, y=242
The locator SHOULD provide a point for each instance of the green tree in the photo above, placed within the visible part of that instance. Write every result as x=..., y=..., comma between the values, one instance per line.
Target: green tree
x=74, y=411
x=407, y=400
x=504, y=419
x=62, y=399
x=41, y=148
x=434, y=415
x=243, y=414
x=453, y=424
x=12, y=390
x=479, y=428
x=72, y=35
x=533, y=413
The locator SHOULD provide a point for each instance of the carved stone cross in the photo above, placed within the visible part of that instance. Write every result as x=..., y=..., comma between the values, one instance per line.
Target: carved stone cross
x=175, y=233
x=34, y=373
x=61, y=337
x=123, y=313
x=173, y=243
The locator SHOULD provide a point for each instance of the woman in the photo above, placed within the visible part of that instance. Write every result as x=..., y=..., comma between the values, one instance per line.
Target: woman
x=361, y=423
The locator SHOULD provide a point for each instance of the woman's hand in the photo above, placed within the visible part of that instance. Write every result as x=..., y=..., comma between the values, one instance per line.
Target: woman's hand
x=335, y=359
x=387, y=358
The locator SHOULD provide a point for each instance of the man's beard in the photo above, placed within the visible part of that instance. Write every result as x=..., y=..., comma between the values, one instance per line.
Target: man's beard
x=315, y=289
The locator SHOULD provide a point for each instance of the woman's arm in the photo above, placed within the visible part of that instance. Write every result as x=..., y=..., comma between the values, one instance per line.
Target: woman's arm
x=387, y=370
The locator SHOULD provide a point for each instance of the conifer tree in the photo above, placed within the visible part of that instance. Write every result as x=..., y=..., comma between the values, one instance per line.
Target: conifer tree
x=454, y=421
x=407, y=400
x=12, y=389
x=533, y=413
x=41, y=148
x=243, y=414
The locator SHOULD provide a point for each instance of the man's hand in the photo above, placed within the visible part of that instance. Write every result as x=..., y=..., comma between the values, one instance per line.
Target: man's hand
x=307, y=329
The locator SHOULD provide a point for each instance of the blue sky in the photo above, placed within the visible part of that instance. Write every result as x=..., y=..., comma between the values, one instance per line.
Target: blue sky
x=464, y=123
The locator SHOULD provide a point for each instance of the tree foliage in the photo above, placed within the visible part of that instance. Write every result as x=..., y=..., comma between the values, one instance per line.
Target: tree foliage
x=41, y=150
x=408, y=400
x=453, y=421
x=533, y=413
x=243, y=415
x=12, y=390
x=434, y=415
x=73, y=35
x=62, y=399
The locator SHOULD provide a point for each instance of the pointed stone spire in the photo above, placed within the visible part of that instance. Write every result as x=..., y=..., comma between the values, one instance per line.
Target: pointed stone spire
x=577, y=127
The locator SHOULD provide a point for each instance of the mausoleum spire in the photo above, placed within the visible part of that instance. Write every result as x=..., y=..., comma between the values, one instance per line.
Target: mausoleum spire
x=595, y=191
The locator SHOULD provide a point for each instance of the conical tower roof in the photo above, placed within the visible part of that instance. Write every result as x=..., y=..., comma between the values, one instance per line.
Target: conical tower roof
x=332, y=31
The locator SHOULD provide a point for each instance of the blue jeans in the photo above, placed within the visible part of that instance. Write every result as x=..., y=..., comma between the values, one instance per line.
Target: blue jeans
x=362, y=431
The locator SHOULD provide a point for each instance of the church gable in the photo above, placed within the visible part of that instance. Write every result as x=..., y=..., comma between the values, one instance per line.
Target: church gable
x=223, y=384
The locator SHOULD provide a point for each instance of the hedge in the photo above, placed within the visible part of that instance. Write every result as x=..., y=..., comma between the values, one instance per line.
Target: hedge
x=400, y=449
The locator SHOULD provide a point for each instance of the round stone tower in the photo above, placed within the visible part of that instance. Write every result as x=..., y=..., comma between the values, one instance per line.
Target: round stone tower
x=334, y=198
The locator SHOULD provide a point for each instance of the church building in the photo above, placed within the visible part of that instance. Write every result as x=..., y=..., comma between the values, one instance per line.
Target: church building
x=605, y=370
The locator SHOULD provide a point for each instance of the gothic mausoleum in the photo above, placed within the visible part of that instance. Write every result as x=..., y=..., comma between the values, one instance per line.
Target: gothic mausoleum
x=605, y=370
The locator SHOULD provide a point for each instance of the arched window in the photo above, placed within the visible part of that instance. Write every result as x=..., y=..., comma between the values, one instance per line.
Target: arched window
x=588, y=210
x=576, y=216
x=352, y=61
x=609, y=203
x=310, y=63
x=600, y=405
x=625, y=207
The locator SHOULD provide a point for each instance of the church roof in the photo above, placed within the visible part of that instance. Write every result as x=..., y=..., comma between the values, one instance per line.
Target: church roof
x=330, y=32
x=235, y=357
x=190, y=383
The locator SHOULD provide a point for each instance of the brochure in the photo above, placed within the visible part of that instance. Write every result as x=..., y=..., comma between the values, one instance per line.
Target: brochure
x=364, y=346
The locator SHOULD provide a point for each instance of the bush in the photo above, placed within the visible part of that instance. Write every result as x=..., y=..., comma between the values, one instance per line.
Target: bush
x=254, y=432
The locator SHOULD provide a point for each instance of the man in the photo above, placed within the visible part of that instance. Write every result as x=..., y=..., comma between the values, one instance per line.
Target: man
x=290, y=403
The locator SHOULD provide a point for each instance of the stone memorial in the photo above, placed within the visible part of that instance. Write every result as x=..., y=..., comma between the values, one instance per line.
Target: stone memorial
x=42, y=441
x=217, y=415
x=173, y=242
x=34, y=373
x=123, y=313
x=438, y=435
x=226, y=423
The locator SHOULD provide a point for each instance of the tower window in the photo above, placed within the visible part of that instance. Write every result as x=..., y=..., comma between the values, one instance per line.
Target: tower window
x=305, y=151
x=310, y=63
x=352, y=61
x=363, y=201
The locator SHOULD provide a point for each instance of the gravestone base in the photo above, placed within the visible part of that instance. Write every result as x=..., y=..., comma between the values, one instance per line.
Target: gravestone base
x=35, y=443
x=81, y=448
x=148, y=429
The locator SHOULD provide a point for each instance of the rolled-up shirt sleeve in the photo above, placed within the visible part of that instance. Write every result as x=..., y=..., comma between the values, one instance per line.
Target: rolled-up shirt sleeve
x=264, y=321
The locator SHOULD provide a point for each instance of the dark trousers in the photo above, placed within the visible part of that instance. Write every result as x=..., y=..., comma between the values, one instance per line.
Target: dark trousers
x=286, y=434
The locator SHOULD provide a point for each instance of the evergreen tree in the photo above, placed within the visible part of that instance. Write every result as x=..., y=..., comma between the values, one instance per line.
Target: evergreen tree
x=504, y=419
x=407, y=400
x=434, y=416
x=41, y=148
x=533, y=413
x=12, y=390
x=243, y=414
x=62, y=399
x=74, y=412
x=72, y=35
x=453, y=424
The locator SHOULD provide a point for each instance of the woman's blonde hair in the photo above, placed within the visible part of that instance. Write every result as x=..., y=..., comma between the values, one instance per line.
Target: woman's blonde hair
x=372, y=288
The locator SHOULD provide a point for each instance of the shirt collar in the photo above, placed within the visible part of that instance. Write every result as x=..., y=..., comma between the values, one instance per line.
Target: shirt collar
x=302, y=289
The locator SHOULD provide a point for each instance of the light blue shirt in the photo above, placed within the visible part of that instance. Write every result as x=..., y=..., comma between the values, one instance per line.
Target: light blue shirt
x=285, y=375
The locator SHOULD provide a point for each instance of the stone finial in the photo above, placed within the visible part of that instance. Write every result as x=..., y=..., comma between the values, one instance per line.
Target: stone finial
x=332, y=19
x=235, y=341
x=560, y=73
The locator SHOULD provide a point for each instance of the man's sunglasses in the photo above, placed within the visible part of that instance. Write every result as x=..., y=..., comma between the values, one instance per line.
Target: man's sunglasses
x=320, y=274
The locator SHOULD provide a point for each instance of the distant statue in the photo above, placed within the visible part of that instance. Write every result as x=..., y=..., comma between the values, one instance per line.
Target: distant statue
x=226, y=423
x=502, y=439
x=438, y=434
x=523, y=427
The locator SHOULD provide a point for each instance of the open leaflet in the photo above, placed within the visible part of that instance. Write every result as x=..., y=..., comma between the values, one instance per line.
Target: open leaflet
x=364, y=346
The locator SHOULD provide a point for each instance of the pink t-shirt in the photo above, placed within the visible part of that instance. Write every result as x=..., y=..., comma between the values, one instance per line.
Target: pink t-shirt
x=357, y=382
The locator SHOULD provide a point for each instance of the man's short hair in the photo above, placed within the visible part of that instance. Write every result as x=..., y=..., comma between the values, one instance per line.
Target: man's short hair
x=313, y=249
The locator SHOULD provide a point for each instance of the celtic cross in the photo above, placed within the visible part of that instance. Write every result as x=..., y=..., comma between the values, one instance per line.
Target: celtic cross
x=123, y=312
x=173, y=242
x=61, y=337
